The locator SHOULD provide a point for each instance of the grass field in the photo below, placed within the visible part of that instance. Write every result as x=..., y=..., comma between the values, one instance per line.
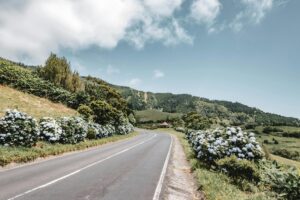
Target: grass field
x=44, y=149
x=284, y=128
x=34, y=106
x=154, y=115
x=283, y=142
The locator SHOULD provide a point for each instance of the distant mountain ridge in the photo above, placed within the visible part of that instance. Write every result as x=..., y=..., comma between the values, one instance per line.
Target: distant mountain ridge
x=221, y=111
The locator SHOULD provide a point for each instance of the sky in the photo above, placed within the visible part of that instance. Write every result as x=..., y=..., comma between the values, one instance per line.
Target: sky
x=237, y=50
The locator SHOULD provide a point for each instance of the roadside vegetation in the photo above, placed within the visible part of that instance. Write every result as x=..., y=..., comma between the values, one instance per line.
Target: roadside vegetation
x=231, y=179
x=45, y=92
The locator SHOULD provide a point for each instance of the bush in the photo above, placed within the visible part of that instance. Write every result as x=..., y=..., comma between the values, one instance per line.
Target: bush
x=275, y=141
x=291, y=134
x=18, y=129
x=294, y=155
x=270, y=129
x=180, y=129
x=91, y=134
x=50, y=130
x=101, y=131
x=266, y=141
x=124, y=128
x=85, y=111
x=74, y=130
x=239, y=168
x=105, y=113
x=213, y=145
x=285, y=182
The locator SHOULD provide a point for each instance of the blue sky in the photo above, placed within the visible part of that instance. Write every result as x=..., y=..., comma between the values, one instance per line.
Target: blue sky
x=237, y=50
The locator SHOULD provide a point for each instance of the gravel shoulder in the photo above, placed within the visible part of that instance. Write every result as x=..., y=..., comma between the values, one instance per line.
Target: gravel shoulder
x=180, y=183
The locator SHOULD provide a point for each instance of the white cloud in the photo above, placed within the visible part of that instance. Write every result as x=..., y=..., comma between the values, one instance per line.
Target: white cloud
x=205, y=11
x=254, y=12
x=158, y=74
x=33, y=28
x=134, y=82
x=169, y=32
x=110, y=70
x=163, y=7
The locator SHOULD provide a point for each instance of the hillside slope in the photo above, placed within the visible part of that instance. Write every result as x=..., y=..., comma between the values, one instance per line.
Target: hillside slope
x=33, y=105
x=226, y=112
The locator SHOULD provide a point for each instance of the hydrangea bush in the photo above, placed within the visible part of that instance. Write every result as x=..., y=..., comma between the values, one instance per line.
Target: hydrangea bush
x=213, y=145
x=50, y=130
x=74, y=130
x=107, y=130
x=18, y=129
x=125, y=128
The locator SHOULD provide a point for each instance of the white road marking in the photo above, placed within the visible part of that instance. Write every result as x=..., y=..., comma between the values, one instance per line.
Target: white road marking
x=79, y=170
x=163, y=174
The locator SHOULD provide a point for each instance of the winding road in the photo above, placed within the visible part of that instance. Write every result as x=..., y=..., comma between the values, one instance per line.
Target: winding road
x=131, y=169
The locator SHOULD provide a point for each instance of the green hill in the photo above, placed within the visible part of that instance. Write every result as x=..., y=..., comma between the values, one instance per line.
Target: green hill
x=225, y=112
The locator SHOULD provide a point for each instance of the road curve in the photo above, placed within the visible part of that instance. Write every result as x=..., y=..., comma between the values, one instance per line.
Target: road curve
x=124, y=170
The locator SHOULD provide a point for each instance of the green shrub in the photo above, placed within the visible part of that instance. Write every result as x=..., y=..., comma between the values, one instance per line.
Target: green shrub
x=85, y=111
x=284, y=182
x=18, y=129
x=105, y=113
x=266, y=141
x=291, y=134
x=239, y=168
x=91, y=133
x=270, y=129
x=294, y=155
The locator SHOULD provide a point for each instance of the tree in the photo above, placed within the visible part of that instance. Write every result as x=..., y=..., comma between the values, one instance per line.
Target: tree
x=105, y=113
x=58, y=71
x=195, y=121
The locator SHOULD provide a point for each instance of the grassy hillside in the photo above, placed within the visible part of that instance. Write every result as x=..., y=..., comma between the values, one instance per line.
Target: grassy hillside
x=33, y=105
x=154, y=116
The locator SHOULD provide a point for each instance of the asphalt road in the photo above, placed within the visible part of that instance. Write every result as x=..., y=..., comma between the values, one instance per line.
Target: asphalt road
x=126, y=170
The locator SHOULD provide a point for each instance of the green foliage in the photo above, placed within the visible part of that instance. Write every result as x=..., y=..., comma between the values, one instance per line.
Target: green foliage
x=155, y=116
x=97, y=90
x=270, y=129
x=105, y=113
x=91, y=134
x=239, y=168
x=283, y=181
x=293, y=155
x=195, y=121
x=132, y=119
x=295, y=134
x=58, y=71
x=26, y=81
x=85, y=111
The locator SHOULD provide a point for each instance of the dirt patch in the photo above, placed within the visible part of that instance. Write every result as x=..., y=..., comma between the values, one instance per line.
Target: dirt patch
x=180, y=183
